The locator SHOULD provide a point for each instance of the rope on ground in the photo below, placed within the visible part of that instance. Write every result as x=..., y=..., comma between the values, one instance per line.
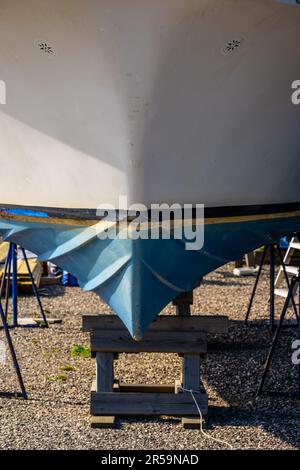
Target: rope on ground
x=204, y=434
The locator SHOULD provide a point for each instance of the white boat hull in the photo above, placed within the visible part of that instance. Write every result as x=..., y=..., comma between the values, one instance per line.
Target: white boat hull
x=161, y=101
x=146, y=99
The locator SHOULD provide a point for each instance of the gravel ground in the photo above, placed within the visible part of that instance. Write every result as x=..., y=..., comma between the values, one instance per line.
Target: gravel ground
x=57, y=413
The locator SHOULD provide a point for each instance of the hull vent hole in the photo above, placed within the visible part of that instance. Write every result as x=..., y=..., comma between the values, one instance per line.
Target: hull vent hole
x=46, y=48
x=232, y=46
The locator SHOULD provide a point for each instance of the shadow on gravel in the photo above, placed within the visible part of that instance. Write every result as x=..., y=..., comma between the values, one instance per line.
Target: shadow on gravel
x=52, y=291
x=208, y=282
x=233, y=370
x=47, y=291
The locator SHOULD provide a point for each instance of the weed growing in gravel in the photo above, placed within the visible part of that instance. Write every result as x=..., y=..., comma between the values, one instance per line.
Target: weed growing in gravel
x=81, y=351
x=61, y=377
x=68, y=368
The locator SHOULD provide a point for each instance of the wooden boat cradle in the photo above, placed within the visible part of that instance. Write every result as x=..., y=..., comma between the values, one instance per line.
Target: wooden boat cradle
x=183, y=334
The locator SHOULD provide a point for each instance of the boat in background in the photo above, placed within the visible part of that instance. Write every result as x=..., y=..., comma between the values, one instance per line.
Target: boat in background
x=163, y=101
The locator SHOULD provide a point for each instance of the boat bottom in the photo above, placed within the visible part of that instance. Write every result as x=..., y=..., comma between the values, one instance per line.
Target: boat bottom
x=138, y=278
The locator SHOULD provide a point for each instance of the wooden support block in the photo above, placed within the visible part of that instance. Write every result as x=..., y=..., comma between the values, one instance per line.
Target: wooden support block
x=183, y=304
x=104, y=372
x=146, y=404
x=250, y=259
x=185, y=298
x=206, y=323
x=191, y=372
x=184, y=335
x=183, y=310
x=100, y=422
x=172, y=342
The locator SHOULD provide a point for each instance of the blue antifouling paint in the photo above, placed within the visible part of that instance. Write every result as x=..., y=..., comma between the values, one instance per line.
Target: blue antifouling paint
x=138, y=278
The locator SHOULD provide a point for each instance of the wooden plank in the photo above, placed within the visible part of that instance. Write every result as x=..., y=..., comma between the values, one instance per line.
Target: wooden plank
x=184, y=342
x=23, y=277
x=147, y=404
x=178, y=386
x=22, y=269
x=191, y=372
x=191, y=422
x=209, y=324
x=25, y=321
x=104, y=372
x=4, y=247
x=24, y=280
x=146, y=388
x=50, y=281
x=50, y=321
x=34, y=264
x=102, y=422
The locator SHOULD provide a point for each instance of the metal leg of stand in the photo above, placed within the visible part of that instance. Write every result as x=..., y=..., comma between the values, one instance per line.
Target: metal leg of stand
x=272, y=286
x=255, y=285
x=13, y=353
x=287, y=279
x=277, y=334
x=299, y=363
x=7, y=293
x=5, y=272
x=35, y=290
x=6, y=278
x=14, y=284
x=298, y=337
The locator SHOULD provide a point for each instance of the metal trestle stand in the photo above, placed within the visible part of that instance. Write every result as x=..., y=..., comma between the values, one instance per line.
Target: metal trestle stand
x=10, y=283
x=293, y=285
x=272, y=248
x=12, y=352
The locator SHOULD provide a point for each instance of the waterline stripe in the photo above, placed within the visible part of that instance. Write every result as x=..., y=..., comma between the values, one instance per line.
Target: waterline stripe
x=184, y=222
